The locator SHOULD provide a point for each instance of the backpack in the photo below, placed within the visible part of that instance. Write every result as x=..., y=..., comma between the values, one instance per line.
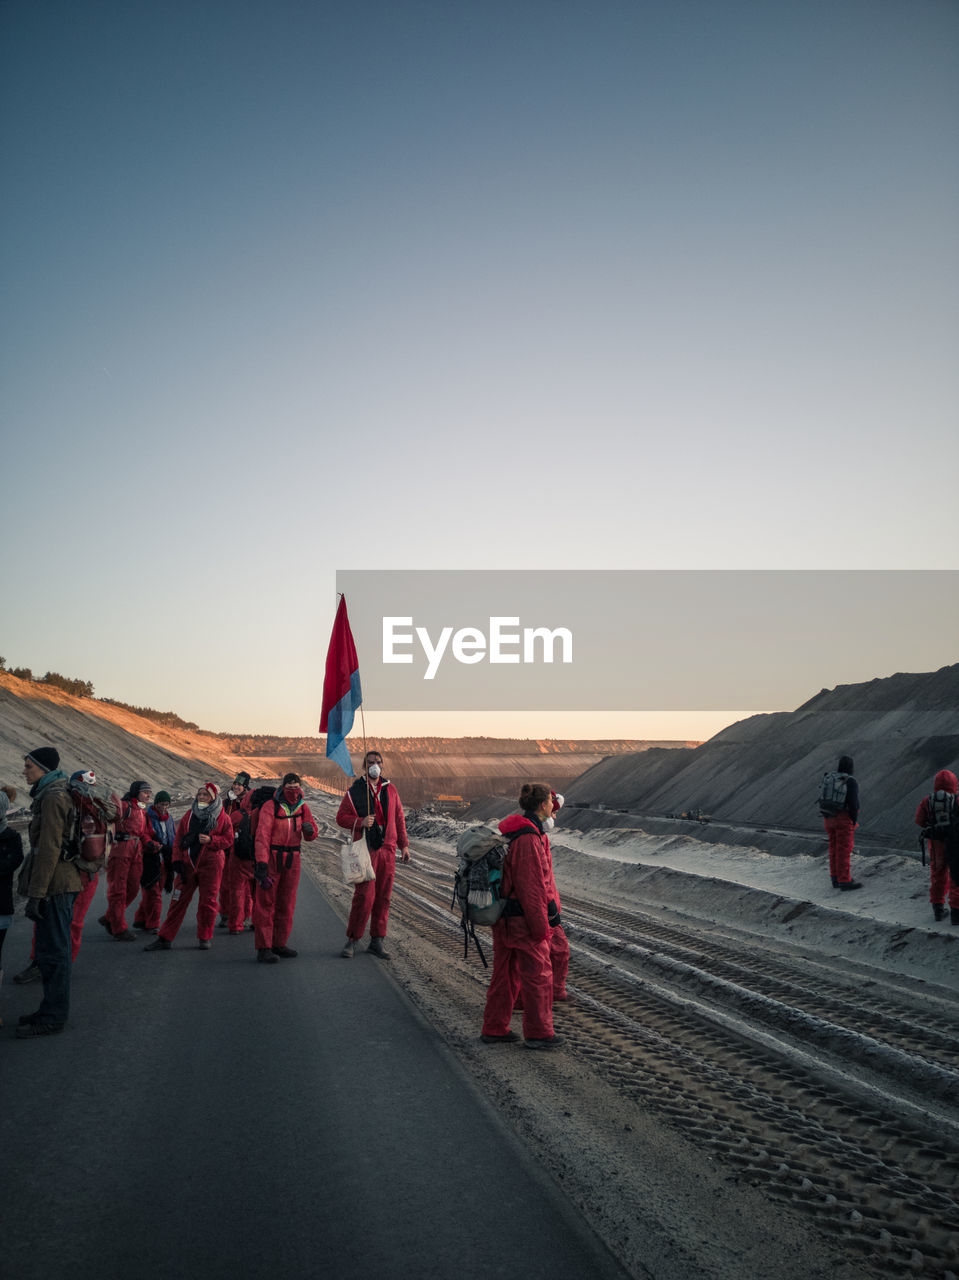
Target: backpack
x=943, y=810
x=244, y=844
x=832, y=793
x=86, y=844
x=476, y=882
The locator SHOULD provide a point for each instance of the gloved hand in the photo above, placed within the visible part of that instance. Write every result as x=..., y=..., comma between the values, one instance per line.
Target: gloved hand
x=35, y=909
x=261, y=874
x=309, y=830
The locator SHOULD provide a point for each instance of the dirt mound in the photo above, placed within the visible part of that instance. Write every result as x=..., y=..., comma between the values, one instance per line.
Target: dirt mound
x=765, y=770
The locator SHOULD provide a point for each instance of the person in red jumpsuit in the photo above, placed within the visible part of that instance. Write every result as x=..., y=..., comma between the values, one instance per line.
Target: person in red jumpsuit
x=235, y=804
x=372, y=809
x=282, y=823
x=521, y=935
x=841, y=831
x=241, y=862
x=125, y=864
x=558, y=941
x=93, y=821
x=942, y=887
x=203, y=835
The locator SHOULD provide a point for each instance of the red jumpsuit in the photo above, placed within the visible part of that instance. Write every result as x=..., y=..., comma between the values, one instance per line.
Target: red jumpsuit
x=234, y=809
x=279, y=829
x=239, y=872
x=942, y=887
x=521, y=943
x=203, y=875
x=371, y=899
x=558, y=941
x=125, y=864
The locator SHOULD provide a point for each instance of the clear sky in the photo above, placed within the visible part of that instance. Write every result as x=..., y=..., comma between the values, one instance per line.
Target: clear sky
x=292, y=287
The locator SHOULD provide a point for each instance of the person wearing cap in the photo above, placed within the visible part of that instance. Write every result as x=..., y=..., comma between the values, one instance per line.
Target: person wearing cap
x=283, y=823
x=93, y=817
x=372, y=809
x=235, y=804
x=52, y=885
x=203, y=835
x=11, y=855
x=157, y=865
x=125, y=865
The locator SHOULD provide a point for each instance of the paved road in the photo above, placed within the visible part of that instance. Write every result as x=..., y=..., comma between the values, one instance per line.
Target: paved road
x=205, y=1116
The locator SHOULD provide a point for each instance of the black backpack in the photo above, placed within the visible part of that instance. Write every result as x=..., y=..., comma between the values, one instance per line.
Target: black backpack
x=244, y=844
x=832, y=793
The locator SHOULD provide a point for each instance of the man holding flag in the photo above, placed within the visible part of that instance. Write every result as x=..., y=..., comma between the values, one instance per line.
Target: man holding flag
x=372, y=809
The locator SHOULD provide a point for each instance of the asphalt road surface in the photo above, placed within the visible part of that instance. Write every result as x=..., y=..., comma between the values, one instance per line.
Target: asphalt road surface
x=207, y=1116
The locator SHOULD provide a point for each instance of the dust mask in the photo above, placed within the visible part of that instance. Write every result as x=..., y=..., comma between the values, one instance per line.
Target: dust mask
x=374, y=771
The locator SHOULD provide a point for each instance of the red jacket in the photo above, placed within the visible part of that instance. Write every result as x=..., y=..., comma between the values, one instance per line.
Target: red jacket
x=221, y=837
x=133, y=824
x=524, y=874
x=353, y=810
x=945, y=780
x=280, y=825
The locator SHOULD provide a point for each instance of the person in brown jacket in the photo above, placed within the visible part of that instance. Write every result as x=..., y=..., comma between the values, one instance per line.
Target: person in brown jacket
x=50, y=884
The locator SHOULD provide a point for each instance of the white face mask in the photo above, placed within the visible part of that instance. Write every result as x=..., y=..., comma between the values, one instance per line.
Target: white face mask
x=231, y=794
x=140, y=804
x=548, y=824
x=203, y=804
x=374, y=771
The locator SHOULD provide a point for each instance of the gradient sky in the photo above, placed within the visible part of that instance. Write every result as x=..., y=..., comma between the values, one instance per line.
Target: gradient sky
x=292, y=287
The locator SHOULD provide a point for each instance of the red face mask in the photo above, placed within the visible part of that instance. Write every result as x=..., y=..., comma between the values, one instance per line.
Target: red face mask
x=291, y=794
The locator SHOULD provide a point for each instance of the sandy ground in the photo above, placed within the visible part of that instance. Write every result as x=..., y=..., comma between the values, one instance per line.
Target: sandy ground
x=669, y=1207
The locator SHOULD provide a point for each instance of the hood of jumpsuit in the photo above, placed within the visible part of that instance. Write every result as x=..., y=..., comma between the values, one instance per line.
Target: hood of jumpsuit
x=517, y=822
x=946, y=781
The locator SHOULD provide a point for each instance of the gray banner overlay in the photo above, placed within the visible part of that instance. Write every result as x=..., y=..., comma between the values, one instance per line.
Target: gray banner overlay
x=644, y=640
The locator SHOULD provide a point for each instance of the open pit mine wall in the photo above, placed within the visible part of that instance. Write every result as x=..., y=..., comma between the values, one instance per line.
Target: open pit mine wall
x=765, y=770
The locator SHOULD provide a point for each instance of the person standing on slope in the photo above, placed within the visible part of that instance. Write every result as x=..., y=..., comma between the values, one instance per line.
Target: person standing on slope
x=372, y=809
x=125, y=864
x=203, y=835
x=840, y=823
x=933, y=815
x=521, y=935
x=282, y=824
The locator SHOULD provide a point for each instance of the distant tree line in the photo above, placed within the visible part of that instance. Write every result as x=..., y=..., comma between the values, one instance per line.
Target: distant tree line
x=79, y=688
x=84, y=689
x=168, y=718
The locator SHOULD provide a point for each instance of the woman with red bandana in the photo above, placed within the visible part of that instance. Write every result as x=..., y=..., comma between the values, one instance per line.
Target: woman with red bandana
x=282, y=823
x=932, y=815
x=521, y=935
x=203, y=835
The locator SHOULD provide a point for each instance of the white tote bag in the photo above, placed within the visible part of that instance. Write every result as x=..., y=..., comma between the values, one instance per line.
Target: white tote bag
x=357, y=866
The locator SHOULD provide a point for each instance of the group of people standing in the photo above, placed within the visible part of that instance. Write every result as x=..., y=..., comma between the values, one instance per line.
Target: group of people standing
x=240, y=854
x=934, y=815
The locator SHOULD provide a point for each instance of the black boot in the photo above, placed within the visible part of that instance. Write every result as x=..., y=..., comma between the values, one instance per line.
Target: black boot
x=939, y=910
x=835, y=882
x=954, y=915
x=849, y=884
